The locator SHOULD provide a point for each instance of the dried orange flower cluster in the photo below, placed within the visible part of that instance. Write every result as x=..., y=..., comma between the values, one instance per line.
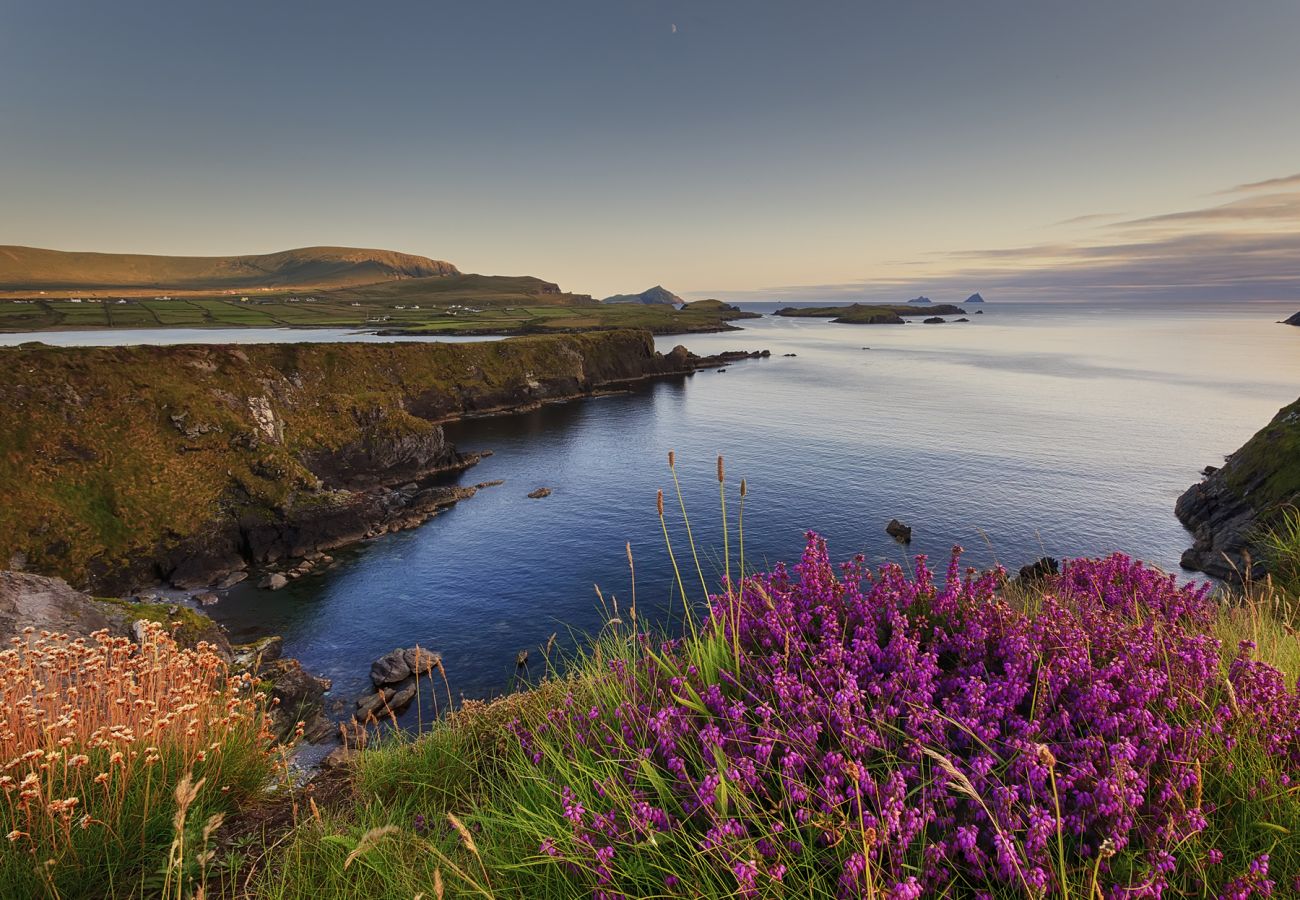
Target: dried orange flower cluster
x=88, y=727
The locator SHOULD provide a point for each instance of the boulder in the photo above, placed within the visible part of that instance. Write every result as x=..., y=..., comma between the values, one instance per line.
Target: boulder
x=274, y=582
x=1039, y=572
x=253, y=656
x=299, y=696
x=933, y=320
x=206, y=599
x=50, y=604
x=899, y=532
x=421, y=661
x=404, y=696
x=539, y=493
x=231, y=580
x=374, y=704
x=390, y=668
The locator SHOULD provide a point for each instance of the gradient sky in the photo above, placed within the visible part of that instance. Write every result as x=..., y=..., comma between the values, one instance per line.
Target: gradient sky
x=738, y=149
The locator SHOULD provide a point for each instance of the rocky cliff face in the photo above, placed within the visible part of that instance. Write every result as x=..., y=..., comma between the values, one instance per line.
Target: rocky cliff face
x=127, y=466
x=1226, y=511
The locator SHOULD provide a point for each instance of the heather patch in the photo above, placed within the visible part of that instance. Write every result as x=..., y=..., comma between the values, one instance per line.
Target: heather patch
x=837, y=731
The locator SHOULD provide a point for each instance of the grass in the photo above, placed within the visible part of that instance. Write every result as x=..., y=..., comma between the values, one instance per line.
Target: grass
x=110, y=752
x=1280, y=545
x=471, y=810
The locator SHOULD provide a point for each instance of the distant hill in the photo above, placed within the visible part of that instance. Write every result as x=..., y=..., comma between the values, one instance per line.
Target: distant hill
x=34, y=269
x=974, y=298
x=467, y=290
x=656, y=294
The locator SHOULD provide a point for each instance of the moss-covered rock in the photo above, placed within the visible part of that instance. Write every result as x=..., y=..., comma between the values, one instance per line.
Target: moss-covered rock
x=1229, y=509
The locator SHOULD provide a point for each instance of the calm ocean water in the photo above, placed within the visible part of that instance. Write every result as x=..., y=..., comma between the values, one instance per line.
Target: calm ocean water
x=1064, y=429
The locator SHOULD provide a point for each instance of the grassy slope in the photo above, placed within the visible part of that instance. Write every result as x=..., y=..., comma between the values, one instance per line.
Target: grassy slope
x=469, y=766
x=33, y=269
x=91, y=464
x=1267, y=467
x=473, y=304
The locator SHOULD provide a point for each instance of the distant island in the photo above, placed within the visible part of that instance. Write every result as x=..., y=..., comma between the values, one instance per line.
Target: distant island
x=864, y=314
x=919, y=300
x=650, y=297
x=1294, y=320
x=974, y=298
x=347, y=287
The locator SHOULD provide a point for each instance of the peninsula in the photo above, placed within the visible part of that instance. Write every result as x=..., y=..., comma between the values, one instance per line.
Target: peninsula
x=869, y=314
x=278, y=450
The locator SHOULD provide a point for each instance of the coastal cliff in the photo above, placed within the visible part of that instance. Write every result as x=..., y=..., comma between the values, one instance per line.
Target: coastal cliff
x=132, y=465
x=1227, y=510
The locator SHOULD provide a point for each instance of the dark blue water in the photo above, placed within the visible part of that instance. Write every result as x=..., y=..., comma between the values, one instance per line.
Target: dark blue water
x=1066, y=430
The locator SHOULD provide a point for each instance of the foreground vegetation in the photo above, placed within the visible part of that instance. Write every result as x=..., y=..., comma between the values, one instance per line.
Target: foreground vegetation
x=823, y=731
x=118, y=761
x=832, y=732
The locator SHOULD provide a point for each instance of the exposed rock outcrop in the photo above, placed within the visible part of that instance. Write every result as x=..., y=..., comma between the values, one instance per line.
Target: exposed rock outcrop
x=1227, y=510
x=50, y=604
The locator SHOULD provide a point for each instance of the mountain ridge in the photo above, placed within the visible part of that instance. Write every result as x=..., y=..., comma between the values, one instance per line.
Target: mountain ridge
x=39, y=269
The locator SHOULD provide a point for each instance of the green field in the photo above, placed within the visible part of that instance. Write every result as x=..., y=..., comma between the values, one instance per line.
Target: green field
x=450, y=311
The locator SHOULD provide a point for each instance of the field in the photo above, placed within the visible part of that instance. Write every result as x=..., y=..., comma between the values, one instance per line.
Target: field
x=455, y=307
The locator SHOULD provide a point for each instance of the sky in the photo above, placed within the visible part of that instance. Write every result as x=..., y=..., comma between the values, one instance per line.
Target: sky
x=745, y=150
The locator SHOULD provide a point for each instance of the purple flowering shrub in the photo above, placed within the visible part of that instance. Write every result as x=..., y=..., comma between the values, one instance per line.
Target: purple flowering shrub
x=834, y=731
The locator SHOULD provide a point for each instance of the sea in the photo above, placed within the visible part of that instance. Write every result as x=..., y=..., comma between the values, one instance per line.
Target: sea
x=1034, y=429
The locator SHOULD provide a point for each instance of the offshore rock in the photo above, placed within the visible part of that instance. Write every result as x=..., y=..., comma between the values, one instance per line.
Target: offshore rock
x=390, y=668
x=899, y=532
x=421, y=661
x=1038, y=572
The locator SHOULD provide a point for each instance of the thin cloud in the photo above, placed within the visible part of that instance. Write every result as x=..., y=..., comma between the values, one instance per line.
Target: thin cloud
x=1090, y=217
x=1267, y=185
x=1209, y=266
x=1267, y=206
x=1233, y=251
